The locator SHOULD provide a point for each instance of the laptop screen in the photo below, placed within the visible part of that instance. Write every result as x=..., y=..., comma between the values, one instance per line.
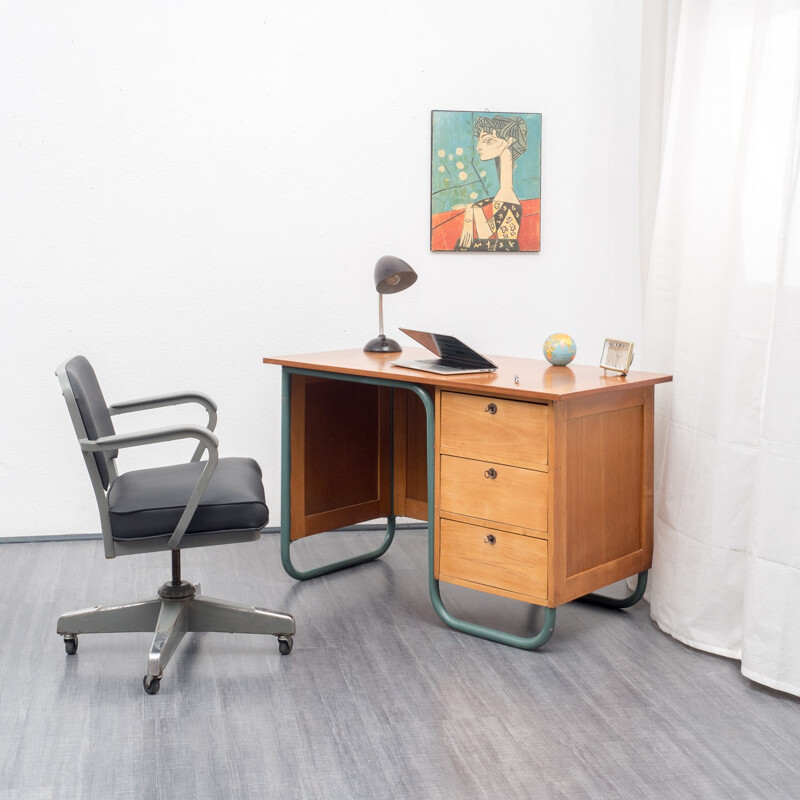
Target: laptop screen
x=452, y=349
x=449, y=349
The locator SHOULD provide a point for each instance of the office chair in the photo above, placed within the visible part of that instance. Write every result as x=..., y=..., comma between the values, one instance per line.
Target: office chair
x=194, y=504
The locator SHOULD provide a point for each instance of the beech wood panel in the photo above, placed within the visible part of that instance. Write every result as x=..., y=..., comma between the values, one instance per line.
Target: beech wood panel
x=513, y=565
x=515, y=433
x=340, y=447
x=496, y=523
x=515, y=378
x=602, y=491
x=410, y=456
x=558, y=506
x=515, y=496
x=604, y=488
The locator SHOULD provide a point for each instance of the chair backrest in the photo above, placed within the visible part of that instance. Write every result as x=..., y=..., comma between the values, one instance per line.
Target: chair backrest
x=88, y=409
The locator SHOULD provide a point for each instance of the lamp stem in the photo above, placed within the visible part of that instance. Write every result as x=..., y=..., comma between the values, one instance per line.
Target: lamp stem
x=380, y=313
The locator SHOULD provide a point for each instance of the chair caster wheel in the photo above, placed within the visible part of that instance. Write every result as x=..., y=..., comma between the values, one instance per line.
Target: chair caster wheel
x=285, y=644
x=151, y=684
x=71, y=643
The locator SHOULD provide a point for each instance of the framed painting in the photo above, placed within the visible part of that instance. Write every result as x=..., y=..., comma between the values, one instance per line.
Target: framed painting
x=485, y=182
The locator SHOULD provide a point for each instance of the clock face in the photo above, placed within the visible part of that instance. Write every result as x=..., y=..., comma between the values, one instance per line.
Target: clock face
x=616, y=355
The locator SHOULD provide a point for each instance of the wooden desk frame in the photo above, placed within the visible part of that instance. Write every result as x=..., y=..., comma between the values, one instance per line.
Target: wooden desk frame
x=417, y=388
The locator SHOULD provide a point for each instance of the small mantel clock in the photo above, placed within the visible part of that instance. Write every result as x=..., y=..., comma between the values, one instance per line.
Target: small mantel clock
x=617, y=356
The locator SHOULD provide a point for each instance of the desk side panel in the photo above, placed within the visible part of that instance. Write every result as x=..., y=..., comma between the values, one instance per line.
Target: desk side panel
x=340, y=454
x=410, y=456
x=606, y=478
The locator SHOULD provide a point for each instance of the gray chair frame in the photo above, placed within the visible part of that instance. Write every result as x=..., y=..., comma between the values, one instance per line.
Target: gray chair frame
x=179, y=607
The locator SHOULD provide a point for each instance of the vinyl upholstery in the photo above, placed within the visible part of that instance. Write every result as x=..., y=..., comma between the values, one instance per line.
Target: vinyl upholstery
x=149, y=502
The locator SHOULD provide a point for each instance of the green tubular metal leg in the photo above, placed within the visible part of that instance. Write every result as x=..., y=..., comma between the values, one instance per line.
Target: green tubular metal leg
x=493, y=635
x=525, y=643
x=622, y=602
x=286, y=464
x=303, y=575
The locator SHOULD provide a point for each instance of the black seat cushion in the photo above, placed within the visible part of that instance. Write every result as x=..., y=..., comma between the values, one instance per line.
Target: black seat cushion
x=149, y=502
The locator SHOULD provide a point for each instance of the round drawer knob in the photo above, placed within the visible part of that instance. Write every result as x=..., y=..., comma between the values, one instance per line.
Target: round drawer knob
x=490, y=539
x=491, y=408
x=490, y=473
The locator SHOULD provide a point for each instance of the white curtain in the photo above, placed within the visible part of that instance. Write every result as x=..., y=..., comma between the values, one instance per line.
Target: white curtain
x=720, y=231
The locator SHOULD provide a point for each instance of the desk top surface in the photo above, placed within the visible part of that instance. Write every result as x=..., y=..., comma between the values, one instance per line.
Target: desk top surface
x=538, y=380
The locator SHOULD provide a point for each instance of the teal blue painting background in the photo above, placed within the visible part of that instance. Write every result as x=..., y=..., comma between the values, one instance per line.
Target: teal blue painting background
x=452, y=130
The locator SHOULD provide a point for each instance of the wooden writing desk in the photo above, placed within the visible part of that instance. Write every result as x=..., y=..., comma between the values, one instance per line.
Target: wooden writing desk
x=542, y=489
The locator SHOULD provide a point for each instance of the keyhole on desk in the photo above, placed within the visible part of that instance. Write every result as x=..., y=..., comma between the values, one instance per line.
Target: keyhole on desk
x=490, y=473
x=489, y=539
x=491, y=408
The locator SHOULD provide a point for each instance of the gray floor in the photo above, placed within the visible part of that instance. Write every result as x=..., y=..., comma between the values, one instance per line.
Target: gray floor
x=378, y=699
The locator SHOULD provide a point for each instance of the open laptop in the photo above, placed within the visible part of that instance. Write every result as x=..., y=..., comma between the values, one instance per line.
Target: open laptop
x=454, y=356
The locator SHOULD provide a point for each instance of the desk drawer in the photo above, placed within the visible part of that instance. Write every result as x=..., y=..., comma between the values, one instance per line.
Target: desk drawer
x=508, y=562
x=489, y=427
x=494, y=491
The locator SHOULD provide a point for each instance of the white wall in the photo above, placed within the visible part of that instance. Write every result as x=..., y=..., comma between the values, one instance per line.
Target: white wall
x=190, y=186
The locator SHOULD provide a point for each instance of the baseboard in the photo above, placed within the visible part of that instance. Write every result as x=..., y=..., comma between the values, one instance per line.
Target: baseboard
x=85, y=537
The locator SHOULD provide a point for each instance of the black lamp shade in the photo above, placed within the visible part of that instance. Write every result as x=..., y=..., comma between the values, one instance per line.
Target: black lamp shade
x=392, y=275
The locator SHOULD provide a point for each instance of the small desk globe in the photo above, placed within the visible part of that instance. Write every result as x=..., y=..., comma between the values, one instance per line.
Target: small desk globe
x=559, y=349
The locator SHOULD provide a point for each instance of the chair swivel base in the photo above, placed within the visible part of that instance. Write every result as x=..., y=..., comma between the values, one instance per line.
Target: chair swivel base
x=178, y=609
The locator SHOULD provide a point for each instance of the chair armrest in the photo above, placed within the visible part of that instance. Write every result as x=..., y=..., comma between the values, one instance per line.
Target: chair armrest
x=207, y=441
x=168, y=433
x=161, y=400
x=170, y=399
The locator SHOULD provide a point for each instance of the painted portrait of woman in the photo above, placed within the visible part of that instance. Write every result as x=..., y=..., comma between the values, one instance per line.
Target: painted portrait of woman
x=485, y=187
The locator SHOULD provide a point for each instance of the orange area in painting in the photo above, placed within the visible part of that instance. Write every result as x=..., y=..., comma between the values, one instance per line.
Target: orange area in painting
x=446, y=227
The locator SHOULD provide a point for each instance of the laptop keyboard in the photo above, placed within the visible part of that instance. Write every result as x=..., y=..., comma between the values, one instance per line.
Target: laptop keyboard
x=440, y=362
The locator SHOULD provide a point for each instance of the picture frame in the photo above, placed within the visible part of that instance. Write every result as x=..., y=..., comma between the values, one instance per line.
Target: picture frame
x=617, y=356
x=485, y=181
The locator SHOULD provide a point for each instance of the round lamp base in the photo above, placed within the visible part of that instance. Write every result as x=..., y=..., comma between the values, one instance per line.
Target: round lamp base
x=380, y=344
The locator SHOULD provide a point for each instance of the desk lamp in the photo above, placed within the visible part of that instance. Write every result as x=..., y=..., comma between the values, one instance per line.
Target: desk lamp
x=391, y=275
